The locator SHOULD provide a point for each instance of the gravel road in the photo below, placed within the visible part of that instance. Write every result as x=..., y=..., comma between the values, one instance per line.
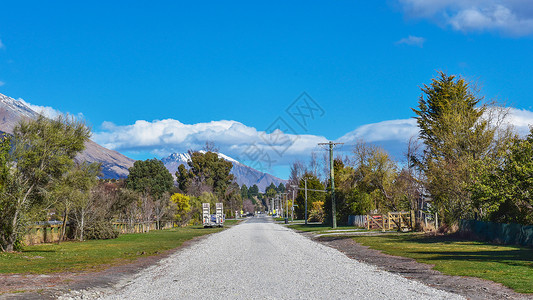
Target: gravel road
x=258, y=259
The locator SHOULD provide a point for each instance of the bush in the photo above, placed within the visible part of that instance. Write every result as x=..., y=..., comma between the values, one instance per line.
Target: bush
x=100, y=231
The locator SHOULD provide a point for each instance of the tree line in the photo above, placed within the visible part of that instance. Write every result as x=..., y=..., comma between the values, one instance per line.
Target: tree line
x=466, y=163
x=40, y=180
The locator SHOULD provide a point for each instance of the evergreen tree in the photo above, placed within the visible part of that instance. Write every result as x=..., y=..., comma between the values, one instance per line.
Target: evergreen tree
x=449, y=116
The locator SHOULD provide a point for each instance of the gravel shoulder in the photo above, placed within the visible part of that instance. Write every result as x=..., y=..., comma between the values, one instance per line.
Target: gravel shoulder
x=261, y=260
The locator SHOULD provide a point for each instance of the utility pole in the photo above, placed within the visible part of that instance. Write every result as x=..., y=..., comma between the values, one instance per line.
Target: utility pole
x=287, y=204
x=292, y=210
x=305, y=180
x=332, y=180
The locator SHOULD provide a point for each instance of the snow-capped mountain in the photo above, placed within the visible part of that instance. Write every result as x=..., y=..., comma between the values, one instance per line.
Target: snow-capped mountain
x=243, y=173
x=114, y=164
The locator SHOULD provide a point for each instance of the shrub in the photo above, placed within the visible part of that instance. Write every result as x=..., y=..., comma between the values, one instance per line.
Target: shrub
x=100, y=231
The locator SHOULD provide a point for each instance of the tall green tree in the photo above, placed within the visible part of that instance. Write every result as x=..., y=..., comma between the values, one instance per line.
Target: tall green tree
x=281, y=188
x=207, y=173
x=504, y=191
x=154, y=182
x=455, y=135
x=253, y=191
x=150, y=177
x=244, y=192
x=42, y=151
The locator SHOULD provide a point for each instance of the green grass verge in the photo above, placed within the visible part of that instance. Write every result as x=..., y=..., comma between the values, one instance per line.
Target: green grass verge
x=511, y=266
x=97, y=254
x=318, y=227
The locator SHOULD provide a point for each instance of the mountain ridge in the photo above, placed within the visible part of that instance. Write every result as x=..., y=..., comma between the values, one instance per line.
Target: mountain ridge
x=243, y=173
x=114, y=164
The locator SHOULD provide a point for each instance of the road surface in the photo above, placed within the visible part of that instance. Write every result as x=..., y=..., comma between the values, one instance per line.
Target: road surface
x=258, y=259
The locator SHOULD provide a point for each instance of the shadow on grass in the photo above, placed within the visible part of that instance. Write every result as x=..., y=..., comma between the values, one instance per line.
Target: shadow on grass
x=501, y=256
x=516, y=254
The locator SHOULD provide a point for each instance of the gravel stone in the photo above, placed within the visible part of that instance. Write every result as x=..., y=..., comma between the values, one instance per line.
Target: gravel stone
x=258, y=259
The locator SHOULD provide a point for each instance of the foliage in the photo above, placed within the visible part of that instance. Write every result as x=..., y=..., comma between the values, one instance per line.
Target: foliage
x=100, y=230
x=72, y=192
x=316, y=213
x=207, y=173
x=244, y=192
x=42, y=151
x=312, y=196
x=455, y=136
x=154, y=182
x=504, y=191
x=253, y=191
x=281, y=188
x=183, y=206
x=150, y=177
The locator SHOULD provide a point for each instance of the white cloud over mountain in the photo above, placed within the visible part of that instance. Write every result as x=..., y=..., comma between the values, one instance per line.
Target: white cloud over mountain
x=245, y=143
x=46, y=111
x=249, y=145
x=162, y=137
x=510, y=17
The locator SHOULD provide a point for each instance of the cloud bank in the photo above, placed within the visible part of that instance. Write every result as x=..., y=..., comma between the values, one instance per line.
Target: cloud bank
x=509, y=17
x=162, y=137
x=259, y=149
x=246, y=143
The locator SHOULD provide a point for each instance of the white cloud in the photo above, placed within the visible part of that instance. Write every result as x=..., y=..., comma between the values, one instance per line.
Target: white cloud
x=245, y=143
x=393, y=130
x=46, y=111
x=2, y=45
x=510, y=17
x=162, y=137
x=412, y=41
x=2, y=83
x=521, y=120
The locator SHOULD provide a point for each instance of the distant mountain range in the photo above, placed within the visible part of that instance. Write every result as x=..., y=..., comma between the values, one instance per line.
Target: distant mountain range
x=243, y=174
x=114, y=164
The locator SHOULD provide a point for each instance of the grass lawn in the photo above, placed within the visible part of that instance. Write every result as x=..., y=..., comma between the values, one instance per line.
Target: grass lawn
x=96, y=254
x=318, y=227
x=511, y=266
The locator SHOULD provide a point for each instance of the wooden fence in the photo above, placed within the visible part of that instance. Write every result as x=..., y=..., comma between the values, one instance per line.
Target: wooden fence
x=39, y=234
x=393, y=220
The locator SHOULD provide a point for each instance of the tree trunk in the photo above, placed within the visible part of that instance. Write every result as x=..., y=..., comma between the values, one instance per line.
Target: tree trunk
x=64, y=227
x=12, y=237
x=82, y=223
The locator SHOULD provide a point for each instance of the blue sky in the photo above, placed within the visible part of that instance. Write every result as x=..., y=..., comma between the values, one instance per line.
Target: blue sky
x=157, y=77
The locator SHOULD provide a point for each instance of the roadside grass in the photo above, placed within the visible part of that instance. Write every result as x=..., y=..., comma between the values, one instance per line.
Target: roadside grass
x=511, y=266
x=231, y=222
x=319, y=227
x=96, y=255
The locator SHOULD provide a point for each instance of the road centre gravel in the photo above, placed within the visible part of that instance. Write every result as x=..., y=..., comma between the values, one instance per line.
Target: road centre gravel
x=258, y=259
